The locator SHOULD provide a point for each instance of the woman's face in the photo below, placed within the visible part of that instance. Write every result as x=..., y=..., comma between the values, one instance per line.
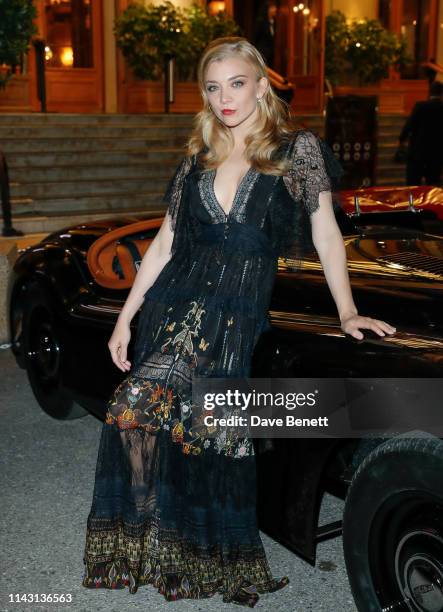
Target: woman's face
x=231, y=85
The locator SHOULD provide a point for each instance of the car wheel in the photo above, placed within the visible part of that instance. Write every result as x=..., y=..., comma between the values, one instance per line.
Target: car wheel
x=393, y=527
x=43, y=356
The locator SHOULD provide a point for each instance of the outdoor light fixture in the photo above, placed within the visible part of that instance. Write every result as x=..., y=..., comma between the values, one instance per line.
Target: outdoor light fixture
x=302, y=8
x=215, y=7
x=67, y=56
x=48, y=53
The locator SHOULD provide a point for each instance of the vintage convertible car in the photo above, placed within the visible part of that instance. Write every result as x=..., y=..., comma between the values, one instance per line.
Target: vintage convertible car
x=67, y=291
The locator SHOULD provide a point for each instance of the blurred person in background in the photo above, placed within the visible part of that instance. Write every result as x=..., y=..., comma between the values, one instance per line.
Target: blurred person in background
x=264, y=34
x=423, y=131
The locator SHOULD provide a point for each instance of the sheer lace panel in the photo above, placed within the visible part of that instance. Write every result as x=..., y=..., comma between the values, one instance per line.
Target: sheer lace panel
x=238, y=208
x=312, y=169
x=174, y=190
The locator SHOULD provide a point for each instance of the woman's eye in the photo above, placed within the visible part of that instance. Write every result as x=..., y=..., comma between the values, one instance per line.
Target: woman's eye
x=237, y=84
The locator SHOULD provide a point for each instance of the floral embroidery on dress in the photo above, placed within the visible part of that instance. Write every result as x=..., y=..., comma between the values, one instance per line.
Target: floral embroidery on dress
x=190, y=327
x=153, y=406
x=140, y=402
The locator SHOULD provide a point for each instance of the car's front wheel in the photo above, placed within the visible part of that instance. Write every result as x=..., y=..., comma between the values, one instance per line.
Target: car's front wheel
x=393, y=527
x=43, y=356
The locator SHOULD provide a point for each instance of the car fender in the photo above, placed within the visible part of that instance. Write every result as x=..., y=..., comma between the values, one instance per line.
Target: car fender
x=57, y=270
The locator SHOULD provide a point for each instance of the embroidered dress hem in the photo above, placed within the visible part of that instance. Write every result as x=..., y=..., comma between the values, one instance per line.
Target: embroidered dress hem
x=179, y=570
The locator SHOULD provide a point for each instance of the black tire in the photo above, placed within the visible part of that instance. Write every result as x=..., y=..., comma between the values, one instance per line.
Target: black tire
x=43, y=356
x=393, y=527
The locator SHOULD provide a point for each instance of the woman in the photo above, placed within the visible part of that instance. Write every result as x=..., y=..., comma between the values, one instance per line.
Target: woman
x=171, y=508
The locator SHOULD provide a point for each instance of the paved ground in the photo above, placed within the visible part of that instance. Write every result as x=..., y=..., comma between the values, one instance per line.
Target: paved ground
x=46, y=485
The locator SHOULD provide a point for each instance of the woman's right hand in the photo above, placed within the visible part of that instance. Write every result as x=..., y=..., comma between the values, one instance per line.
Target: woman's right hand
x=118, y=345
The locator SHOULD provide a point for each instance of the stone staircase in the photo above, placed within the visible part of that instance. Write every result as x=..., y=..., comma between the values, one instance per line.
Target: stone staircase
x=66, y=169
x=388, y=171
x=69, y=168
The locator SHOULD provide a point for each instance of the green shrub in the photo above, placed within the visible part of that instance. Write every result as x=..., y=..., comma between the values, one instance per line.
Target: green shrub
x=362, y=51
x=146, y=34
x=16, y=30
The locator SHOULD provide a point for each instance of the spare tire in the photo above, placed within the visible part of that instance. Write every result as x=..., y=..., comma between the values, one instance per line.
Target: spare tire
x=393, y=526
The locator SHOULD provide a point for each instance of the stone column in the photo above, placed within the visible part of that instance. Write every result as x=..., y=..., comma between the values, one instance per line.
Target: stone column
x=8, y=255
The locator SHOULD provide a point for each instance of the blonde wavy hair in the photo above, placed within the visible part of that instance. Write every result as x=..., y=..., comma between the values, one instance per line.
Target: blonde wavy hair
x=274, y=120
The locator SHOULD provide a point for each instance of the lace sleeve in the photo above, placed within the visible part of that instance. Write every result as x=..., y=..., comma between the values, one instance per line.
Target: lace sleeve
x=174, y=190
x=313, y=169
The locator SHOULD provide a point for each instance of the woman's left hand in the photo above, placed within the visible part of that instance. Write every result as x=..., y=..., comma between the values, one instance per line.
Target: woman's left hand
x=352, y=325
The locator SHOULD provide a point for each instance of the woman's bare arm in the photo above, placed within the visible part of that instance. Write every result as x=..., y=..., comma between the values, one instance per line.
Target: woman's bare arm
x=154, y=260
x=330, y=247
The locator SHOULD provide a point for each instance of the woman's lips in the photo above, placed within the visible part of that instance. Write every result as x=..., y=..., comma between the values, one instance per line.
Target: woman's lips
x=228, y=111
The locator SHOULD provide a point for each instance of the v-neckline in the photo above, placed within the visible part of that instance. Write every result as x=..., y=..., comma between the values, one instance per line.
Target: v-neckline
x=213, y=172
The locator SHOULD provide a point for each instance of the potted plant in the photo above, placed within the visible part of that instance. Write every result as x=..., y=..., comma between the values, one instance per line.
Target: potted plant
x=147, y=33
x=199, y=29
x=361, y=52
x=16, y=29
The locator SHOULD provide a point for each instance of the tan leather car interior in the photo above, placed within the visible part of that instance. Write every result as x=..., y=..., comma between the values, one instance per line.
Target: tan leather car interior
x=114, y=258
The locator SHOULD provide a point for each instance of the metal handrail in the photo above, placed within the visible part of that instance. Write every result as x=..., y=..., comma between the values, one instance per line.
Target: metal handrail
x=169, y=81
x=8, y=230
x=39, y=46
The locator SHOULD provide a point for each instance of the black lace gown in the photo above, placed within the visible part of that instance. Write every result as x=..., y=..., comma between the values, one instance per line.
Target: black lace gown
x=170, y=508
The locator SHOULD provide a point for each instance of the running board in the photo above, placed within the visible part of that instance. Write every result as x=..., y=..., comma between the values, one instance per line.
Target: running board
x=328, y=531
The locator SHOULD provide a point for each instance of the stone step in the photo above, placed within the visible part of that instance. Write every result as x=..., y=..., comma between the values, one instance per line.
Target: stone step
x=391, y=134
x=388, y=141
x=390, y=116
x=42, y=191
x=392, y=171
x=391, y=127
x=308, y=120
x=387, y=150
x=95, y=157
x=37, y=145
x=43, y=223
x=390, y=182
x=387, y=146
x=388, y=162
x=57, y=205
x=89, y=132
x=42, y=174
x=56, y=119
